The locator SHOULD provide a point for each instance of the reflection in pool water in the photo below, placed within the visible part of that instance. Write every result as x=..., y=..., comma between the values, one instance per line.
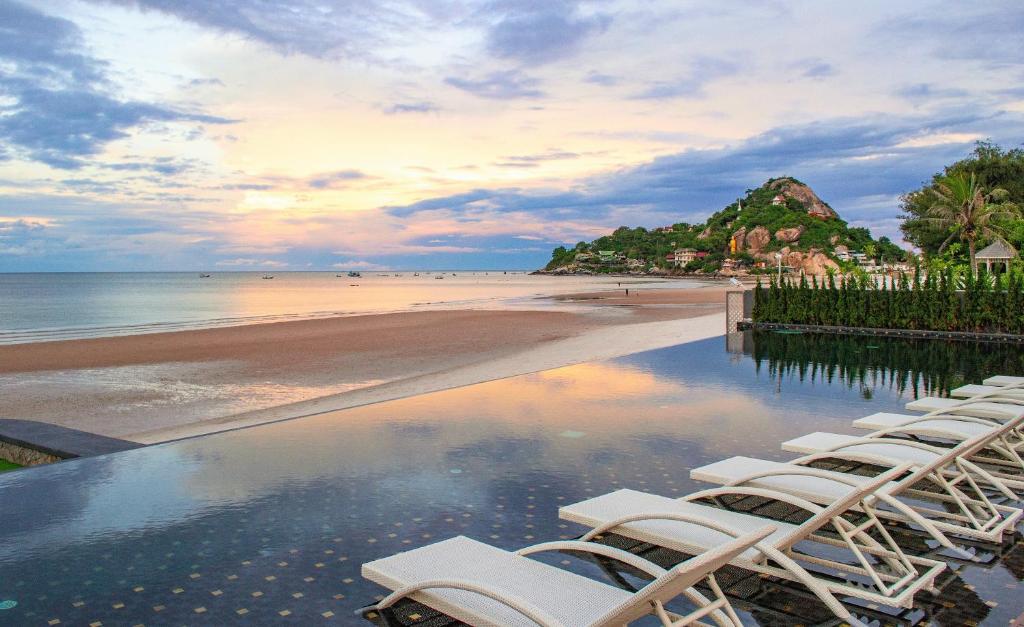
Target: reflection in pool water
x=272, y=523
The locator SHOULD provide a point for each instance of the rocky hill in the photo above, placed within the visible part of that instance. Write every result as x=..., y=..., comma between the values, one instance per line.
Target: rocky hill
x=782, y=216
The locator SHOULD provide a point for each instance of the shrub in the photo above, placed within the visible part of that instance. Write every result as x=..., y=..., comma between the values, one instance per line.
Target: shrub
x=946, y=300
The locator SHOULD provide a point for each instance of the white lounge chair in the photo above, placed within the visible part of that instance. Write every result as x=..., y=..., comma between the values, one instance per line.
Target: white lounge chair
x=879, y=448
x=1003, y=447
x=949, y=479
x=878, y=571
x=971, y=390
x=989, y=406
x=1003, y=380
x=999, y=386
x=483, y=585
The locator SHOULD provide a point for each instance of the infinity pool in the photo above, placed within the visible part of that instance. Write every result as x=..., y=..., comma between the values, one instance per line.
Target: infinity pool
x=269, y=525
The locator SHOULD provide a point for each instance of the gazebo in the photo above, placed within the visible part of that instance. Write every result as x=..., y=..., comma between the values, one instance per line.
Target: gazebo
x=996, y=252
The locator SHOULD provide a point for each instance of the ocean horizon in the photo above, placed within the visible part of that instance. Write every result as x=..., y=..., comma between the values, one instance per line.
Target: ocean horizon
x=48, y=306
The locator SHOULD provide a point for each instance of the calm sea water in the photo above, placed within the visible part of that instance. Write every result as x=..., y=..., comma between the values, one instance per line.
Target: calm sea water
x=269, y=525
x=46, y=306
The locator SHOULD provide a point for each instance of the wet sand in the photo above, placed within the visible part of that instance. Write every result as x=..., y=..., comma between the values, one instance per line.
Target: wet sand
x=156, y=387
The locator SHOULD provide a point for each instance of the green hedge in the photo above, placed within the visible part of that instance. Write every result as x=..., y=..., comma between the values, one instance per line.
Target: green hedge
x=942, y=301
x=920, y=367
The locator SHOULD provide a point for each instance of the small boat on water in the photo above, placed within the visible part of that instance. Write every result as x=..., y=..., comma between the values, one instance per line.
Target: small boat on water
x=268, y=276
x=203, y=276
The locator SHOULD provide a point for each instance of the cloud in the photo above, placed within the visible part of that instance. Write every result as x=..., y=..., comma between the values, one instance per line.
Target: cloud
x=166, y=166
x=43, y=47
x=851, y=162
x=360, y=264
x=598, y=78
x=204, y=82
x=422, y=106
x=927, y=92
x=246, y=262
x=317, y=28
x=501, y=85
x=53, y=107
x=22, y=236
x=703, y=71
x=540, y=32
x=338, y=179
x=814, y=68
x=515, y=164
x=551, y=155
x=331, y=180
x=989, y=32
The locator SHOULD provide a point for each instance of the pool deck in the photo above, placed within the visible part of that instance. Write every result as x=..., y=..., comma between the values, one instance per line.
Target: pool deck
x=40, y=442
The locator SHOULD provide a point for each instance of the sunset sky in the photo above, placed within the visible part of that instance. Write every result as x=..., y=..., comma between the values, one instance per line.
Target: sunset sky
x=458, y=134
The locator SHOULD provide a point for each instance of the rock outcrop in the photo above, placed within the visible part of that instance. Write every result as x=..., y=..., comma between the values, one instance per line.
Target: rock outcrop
x=740, y=237
x=817, y=263
x=811, y=262
x=790, y=235
x=757, y=239
x=814, y=205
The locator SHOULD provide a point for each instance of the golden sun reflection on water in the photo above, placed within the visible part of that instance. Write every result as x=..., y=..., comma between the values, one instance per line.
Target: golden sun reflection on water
x=556, y=421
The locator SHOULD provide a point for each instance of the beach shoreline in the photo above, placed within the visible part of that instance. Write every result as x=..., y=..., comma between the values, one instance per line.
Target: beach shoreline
x=163, y=386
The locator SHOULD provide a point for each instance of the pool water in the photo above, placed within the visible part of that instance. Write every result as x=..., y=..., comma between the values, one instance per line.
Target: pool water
x=270, y=524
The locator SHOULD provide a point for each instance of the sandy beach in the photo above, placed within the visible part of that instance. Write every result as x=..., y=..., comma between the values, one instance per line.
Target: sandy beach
x=162, y=386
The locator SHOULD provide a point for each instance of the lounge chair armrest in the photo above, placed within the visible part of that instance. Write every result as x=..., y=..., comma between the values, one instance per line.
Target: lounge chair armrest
x=796, y=470
x=976, y=400
x=522, y=606
x=988, y=422
x=675, y=516
x=871, y=438
x=749, y=491
x=625, y=557
x=1011, y=386
x=990, y=397
x=850, y=456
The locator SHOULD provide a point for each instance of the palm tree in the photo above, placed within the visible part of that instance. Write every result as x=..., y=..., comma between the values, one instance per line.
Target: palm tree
x=871, y=251
x=961, y=206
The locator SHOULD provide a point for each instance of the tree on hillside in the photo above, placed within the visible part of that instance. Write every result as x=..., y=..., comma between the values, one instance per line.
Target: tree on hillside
x=961, y=208
x=994, y=167
x=871, y=251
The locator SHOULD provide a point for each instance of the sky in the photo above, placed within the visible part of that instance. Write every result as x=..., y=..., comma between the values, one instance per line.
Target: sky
x=467, y=134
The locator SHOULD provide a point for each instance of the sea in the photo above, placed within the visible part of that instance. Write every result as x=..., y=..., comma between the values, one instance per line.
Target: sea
x=38, y=307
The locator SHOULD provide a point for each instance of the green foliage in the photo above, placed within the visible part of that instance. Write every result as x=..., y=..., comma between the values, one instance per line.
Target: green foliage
x=994, y=168
x=560, y=257
x=952, y=299
x=757, y=210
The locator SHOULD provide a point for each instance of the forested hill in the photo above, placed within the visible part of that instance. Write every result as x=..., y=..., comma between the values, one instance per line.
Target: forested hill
x=783, y=215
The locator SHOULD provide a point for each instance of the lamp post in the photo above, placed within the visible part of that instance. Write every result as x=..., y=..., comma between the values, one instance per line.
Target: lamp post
x=779, y=257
